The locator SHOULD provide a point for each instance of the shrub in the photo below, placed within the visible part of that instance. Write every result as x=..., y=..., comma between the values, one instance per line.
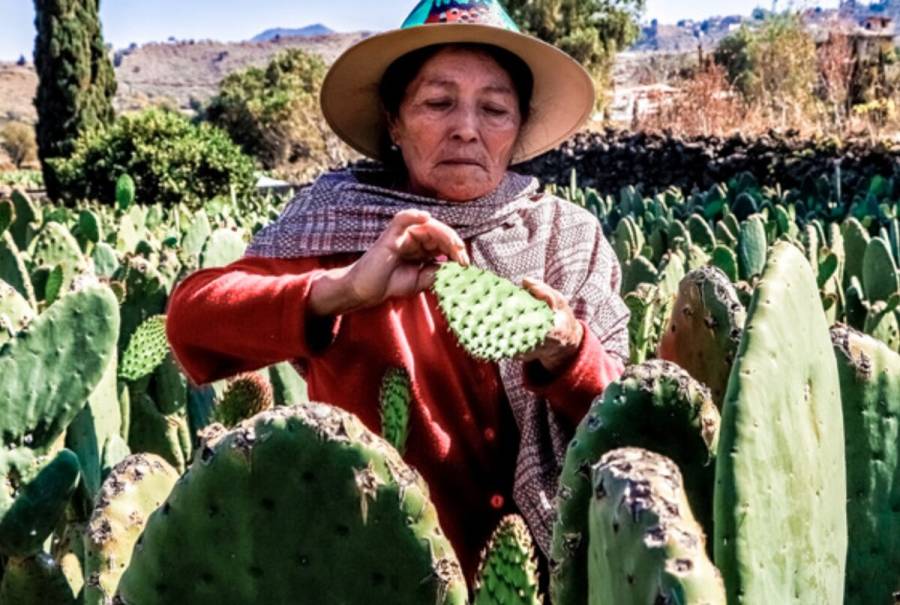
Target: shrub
x=273, y=114
x=773, y=66
x=171, y=161
x=18, y=140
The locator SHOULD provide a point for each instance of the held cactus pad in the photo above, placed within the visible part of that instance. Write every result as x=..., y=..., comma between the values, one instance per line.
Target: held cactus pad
x=645, y=547
x=246, y=396
x=657, y=406
x=705, y=329
x=299, y=505
x=135, y=488
x=50, y=369
x=870, y=390
x=493, y=318
x=147, y=349
x=394, y=398
x=508, y=574
x=780, y=518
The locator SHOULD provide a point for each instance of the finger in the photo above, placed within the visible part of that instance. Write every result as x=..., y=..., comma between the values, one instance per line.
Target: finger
x=543, y=292
x=435, y=236
x=426, y=277
x=407, y=218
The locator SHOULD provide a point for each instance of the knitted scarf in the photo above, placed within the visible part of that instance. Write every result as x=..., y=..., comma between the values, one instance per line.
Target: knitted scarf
x=515, y=232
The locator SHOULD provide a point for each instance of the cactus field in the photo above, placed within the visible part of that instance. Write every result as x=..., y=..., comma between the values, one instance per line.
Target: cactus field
x=750, y=453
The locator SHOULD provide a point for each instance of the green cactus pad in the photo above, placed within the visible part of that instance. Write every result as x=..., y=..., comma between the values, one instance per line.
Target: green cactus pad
x=492, y=318
x=38, y=506
x=135, y=488
x=394, y=400
x=37, y=580
x=166, y=435
x=223, y=247
x=870, y=390
x=645, y=547
x=52, y=367
x=145, y=296
x=15, y=312
x=346, y=521
x=705, y=329
x=780, y=518
x=751, y=250
x=880, y=278
x=856, y=239
x=508, y=573
x=13, y=270
x=657, y=406
x=288, y=387
x=246, y=396
x=146, y=350
x=26, y=219
x=125, y=190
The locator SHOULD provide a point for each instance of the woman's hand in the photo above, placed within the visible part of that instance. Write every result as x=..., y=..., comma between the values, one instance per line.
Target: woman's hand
x=399, y=264
x=563, y=341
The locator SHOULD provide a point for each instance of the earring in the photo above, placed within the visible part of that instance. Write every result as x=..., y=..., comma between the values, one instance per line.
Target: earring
x=395, y=148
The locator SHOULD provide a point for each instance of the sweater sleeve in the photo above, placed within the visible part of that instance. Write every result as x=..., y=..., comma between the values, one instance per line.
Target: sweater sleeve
x=571, y=390
x=245, y=316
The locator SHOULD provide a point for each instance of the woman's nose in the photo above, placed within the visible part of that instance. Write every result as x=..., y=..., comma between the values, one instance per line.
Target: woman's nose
x=464, y=124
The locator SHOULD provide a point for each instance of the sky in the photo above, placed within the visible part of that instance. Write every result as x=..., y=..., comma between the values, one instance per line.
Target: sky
x=140, y=21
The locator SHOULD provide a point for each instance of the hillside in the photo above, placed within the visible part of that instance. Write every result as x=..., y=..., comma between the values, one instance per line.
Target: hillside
x=176, y=73
x=304, y=32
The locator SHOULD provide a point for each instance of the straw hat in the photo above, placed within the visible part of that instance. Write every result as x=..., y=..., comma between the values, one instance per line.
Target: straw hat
x=563, y=95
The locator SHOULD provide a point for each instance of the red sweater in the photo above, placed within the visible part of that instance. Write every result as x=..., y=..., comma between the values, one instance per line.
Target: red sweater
x=462, y=437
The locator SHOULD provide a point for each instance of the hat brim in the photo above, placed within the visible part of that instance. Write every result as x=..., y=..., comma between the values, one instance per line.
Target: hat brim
x=562, y=100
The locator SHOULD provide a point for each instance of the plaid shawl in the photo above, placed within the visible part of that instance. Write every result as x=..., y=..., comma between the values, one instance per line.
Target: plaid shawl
x=515, y=232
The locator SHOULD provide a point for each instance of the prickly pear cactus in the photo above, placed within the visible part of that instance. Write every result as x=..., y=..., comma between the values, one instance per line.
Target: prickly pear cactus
x=29, y=510
x=493, y=318
x=657, y=406
x=124, y=191
x=705, y=329
x=870, y=391
x=37, y=580
x=52, y=367
x=645, y=547
x=147, y=349
x=508, y=573
x=345, y=522
x=394, y=400
x=246, y=396
x=15, y=312
x=135, y=488
x=780, y=477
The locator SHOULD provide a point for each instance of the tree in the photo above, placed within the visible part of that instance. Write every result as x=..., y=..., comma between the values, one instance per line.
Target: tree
x=592, y=31
x=76, y=79
x=273, y=114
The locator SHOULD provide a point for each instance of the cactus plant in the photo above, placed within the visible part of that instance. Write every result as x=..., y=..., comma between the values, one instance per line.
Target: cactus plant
x=15, y=312
x=37, y=580
x=124, y=191
x=880, y=278
x=751, y=250
x=347, y=502
x=52, y=367
x=870, y=391
x=246, y=395
x=394, y=400
x=705, y=329
x=507, y=572
x=13, y=270
x=224, y=246
x=135, y=488
x=147, y=349
x=645, y=546
x=36, y=505
x=655, y=405
x=782, y=413
x=492, y=318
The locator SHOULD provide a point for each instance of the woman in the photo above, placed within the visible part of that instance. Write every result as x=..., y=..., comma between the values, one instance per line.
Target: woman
x=339, y=284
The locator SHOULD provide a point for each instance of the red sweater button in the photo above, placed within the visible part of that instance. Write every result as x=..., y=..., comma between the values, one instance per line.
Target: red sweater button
x=497, y=501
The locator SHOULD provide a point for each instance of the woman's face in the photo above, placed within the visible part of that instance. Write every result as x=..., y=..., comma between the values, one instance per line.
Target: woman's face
x=457, y=125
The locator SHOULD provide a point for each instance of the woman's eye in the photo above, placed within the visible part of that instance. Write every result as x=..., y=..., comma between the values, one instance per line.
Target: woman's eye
x=496, y=111
x=437, y=103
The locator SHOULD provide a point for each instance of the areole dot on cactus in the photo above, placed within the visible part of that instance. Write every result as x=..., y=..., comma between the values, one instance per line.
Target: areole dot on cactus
x=492, y=318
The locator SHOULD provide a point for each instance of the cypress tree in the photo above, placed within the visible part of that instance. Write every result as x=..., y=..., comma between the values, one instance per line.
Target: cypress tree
x=76, y=78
